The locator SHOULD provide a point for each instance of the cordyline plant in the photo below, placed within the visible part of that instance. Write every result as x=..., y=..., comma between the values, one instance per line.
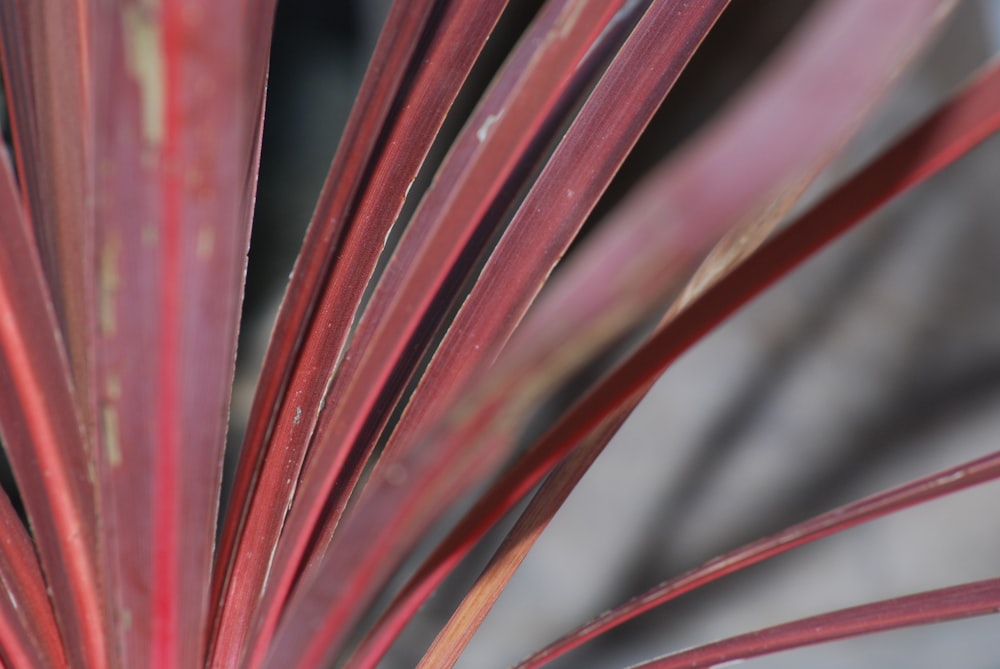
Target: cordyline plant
x=391, y=391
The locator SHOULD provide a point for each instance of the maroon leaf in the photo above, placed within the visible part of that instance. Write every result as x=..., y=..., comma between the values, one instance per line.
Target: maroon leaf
x=544, y=225
x=959, y=126
x=46, y=67
x=44, y=49
x=477, y=602
x=489, y=163
x=358, y=217
x=375, y=98
x=43, y=436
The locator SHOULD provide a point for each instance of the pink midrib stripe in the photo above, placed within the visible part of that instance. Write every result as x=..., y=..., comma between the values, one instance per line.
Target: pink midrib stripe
x=167, y=436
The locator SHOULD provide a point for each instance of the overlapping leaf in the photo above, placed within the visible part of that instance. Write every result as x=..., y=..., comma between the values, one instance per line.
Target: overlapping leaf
x=489, y=163
x=550, y=217
x=967, y=119
x=43, y=436
x=616, y=281
x=28, y=632
x=383, y=149
x=46, y=70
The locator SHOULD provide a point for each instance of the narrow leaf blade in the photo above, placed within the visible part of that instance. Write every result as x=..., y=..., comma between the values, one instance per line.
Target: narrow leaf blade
x=363, y=215
x=959, y=125
x=962, y=601
x=926, y=489
x=28, y=632
x=489, y=163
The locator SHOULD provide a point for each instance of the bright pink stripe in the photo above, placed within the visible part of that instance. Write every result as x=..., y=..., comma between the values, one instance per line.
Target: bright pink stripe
x=167, y=483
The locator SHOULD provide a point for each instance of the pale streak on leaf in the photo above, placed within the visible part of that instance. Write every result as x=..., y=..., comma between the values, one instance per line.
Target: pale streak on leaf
x=740, y=242
x=110, y=281
x=143, y=56
x=112, y=440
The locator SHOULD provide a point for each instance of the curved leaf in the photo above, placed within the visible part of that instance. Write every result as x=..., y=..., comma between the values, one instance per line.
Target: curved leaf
x=618, y=279
x=968, y=118
x=962, y=601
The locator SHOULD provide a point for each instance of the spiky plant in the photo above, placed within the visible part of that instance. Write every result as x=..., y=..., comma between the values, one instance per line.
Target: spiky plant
x=392, y=390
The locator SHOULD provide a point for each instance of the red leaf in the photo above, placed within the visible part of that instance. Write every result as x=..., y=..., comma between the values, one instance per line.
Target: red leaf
x=28, y=633
x=487, y=166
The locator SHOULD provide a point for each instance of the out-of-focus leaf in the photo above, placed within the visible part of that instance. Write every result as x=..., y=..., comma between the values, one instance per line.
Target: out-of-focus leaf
x=471, y=612
x=46, y=67
x=967, y=119
x=960, y=125
x=587, y=156
x=617, y=280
